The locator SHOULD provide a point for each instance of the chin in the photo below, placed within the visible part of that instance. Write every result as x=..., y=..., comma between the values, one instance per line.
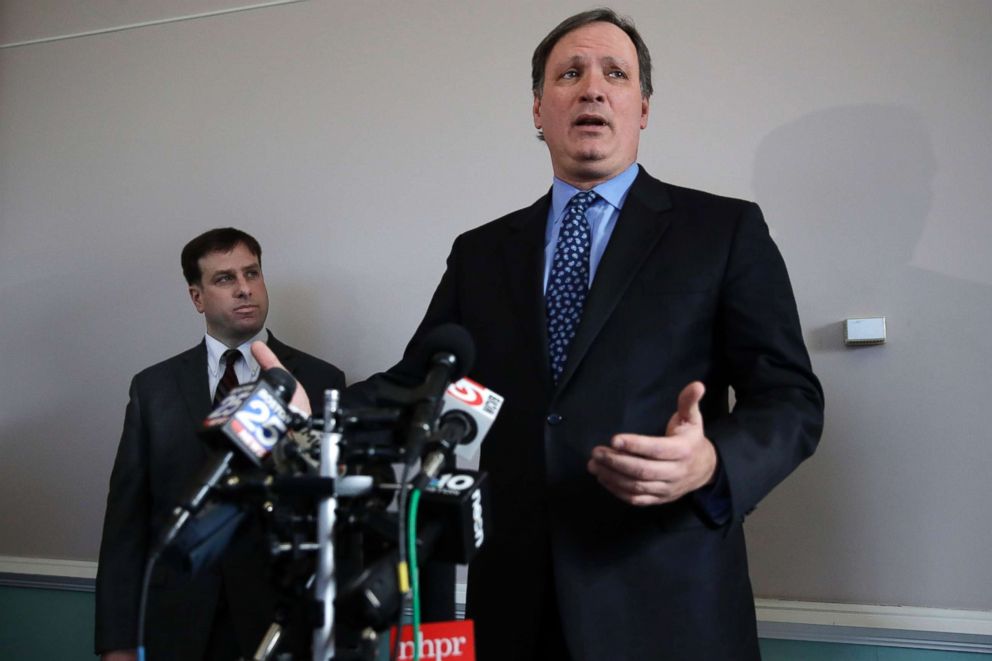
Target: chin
x=248, y=331
x=592, y=168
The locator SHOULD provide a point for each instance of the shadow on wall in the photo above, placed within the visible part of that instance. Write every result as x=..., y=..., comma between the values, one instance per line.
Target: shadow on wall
x=886, y=511
x=849, y=190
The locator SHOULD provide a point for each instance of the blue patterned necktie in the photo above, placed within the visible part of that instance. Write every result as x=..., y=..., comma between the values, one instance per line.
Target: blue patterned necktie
x=568, y=282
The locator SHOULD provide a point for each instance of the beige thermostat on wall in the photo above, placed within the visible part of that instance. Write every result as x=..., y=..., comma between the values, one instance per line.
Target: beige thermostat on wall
x=864, y=331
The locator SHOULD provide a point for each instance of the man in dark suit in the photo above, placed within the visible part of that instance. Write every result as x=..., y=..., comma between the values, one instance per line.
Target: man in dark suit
x=618, y=490
x=221, y=614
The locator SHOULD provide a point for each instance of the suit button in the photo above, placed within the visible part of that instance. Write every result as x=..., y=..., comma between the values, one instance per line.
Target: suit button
x=555, y=419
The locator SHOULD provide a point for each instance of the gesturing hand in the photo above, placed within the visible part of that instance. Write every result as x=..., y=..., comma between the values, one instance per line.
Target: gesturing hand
x=652, y=470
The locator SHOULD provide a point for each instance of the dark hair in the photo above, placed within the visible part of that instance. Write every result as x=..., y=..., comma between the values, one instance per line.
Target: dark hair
x=221, y=239
x=602, y=15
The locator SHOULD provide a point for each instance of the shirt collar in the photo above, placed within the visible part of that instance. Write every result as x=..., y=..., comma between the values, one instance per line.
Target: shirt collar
x=216, y=349
x=614, y=191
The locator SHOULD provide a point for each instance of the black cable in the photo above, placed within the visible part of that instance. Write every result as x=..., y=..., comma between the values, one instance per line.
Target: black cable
x=401, y=507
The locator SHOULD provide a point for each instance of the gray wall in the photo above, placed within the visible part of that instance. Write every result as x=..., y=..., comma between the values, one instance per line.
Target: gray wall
x=357, y=139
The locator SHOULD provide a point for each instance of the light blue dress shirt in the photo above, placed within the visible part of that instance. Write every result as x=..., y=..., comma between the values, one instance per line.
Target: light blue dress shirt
x=602, y=216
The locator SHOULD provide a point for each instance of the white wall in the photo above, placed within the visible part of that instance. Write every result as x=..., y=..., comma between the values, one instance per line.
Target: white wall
x=355, y=140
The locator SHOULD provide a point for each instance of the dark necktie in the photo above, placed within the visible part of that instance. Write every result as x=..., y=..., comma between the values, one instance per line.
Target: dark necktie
x=229, y=379
x=568, y=282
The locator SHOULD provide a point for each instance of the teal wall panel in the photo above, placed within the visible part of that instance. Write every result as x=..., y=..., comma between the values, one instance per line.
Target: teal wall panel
x=48, y=624
x=794, y=650
x=45, y=625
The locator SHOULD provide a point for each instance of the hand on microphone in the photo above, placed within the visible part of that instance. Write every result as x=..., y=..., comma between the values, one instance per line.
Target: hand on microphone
x=266, y=359
x=653, y=470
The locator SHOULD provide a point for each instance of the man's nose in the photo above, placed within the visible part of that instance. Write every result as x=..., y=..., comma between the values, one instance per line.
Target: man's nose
x=592, y=88
x=243, y=289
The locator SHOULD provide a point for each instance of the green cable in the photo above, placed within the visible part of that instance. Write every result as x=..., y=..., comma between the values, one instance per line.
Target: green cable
x=414, y=573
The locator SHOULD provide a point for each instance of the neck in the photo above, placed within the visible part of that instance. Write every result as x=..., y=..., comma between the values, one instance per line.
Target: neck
x=586, y=181
x=231, y=342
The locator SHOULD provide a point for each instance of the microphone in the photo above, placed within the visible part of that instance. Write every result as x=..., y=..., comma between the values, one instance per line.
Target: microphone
x=459, y=499
x=448, y=352
x=480, y=404
x=467, y=412
x=253, y=417
x=454, y=524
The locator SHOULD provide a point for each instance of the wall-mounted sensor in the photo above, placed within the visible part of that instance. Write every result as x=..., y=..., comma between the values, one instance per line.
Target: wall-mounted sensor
x=866, y=331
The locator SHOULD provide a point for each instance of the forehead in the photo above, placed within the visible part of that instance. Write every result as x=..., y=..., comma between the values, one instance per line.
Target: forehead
x=595, y=40
x=238, y=257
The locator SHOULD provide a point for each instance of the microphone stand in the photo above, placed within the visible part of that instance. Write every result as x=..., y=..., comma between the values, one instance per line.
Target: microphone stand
x=326, y=588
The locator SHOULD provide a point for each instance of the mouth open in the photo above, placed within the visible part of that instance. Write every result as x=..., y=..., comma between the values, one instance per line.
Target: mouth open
x=590, y=120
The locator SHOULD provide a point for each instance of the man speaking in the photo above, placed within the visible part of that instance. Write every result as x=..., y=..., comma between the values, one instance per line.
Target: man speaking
x=614, y=314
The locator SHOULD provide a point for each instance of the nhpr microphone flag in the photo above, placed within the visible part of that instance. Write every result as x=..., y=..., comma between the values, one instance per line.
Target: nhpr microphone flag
x=439, y=641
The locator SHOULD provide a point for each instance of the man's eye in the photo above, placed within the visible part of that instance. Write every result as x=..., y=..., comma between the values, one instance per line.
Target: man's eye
x=617, y=74
x=221, y=279
x=251, y=275
x=571, y=73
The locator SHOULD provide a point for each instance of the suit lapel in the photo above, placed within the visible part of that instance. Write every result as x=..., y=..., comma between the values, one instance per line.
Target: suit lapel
x=285, y=354
x=645, y=216
x=193, y=383
x=524, y=258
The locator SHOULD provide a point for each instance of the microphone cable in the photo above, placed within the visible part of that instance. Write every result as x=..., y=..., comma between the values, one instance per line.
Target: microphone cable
x=410, y=541
x=402, y=568
x=415, y=572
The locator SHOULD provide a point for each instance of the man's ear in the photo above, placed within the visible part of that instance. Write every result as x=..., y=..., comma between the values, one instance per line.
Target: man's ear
x=537, y=112
x=196, y=295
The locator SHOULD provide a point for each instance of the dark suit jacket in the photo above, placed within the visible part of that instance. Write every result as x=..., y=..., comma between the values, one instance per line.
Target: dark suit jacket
x=158, y=454
x=691, y=286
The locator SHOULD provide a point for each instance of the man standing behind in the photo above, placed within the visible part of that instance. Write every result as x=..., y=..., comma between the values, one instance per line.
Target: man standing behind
x=223, y=614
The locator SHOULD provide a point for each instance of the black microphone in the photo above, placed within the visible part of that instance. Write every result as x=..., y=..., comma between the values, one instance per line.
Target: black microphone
x=455, y=428
x=454, y=524
x=459, y=499
x=468, y=411
x=448, y=352
x=253, y=417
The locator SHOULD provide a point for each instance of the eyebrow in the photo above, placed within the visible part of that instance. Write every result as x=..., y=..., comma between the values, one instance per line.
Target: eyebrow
x=584, y=59
x=618, y=61
x=254, y=266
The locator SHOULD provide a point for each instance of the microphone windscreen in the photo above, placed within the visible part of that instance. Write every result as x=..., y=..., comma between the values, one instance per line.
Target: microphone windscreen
x=282, y=381
x=447, y=338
